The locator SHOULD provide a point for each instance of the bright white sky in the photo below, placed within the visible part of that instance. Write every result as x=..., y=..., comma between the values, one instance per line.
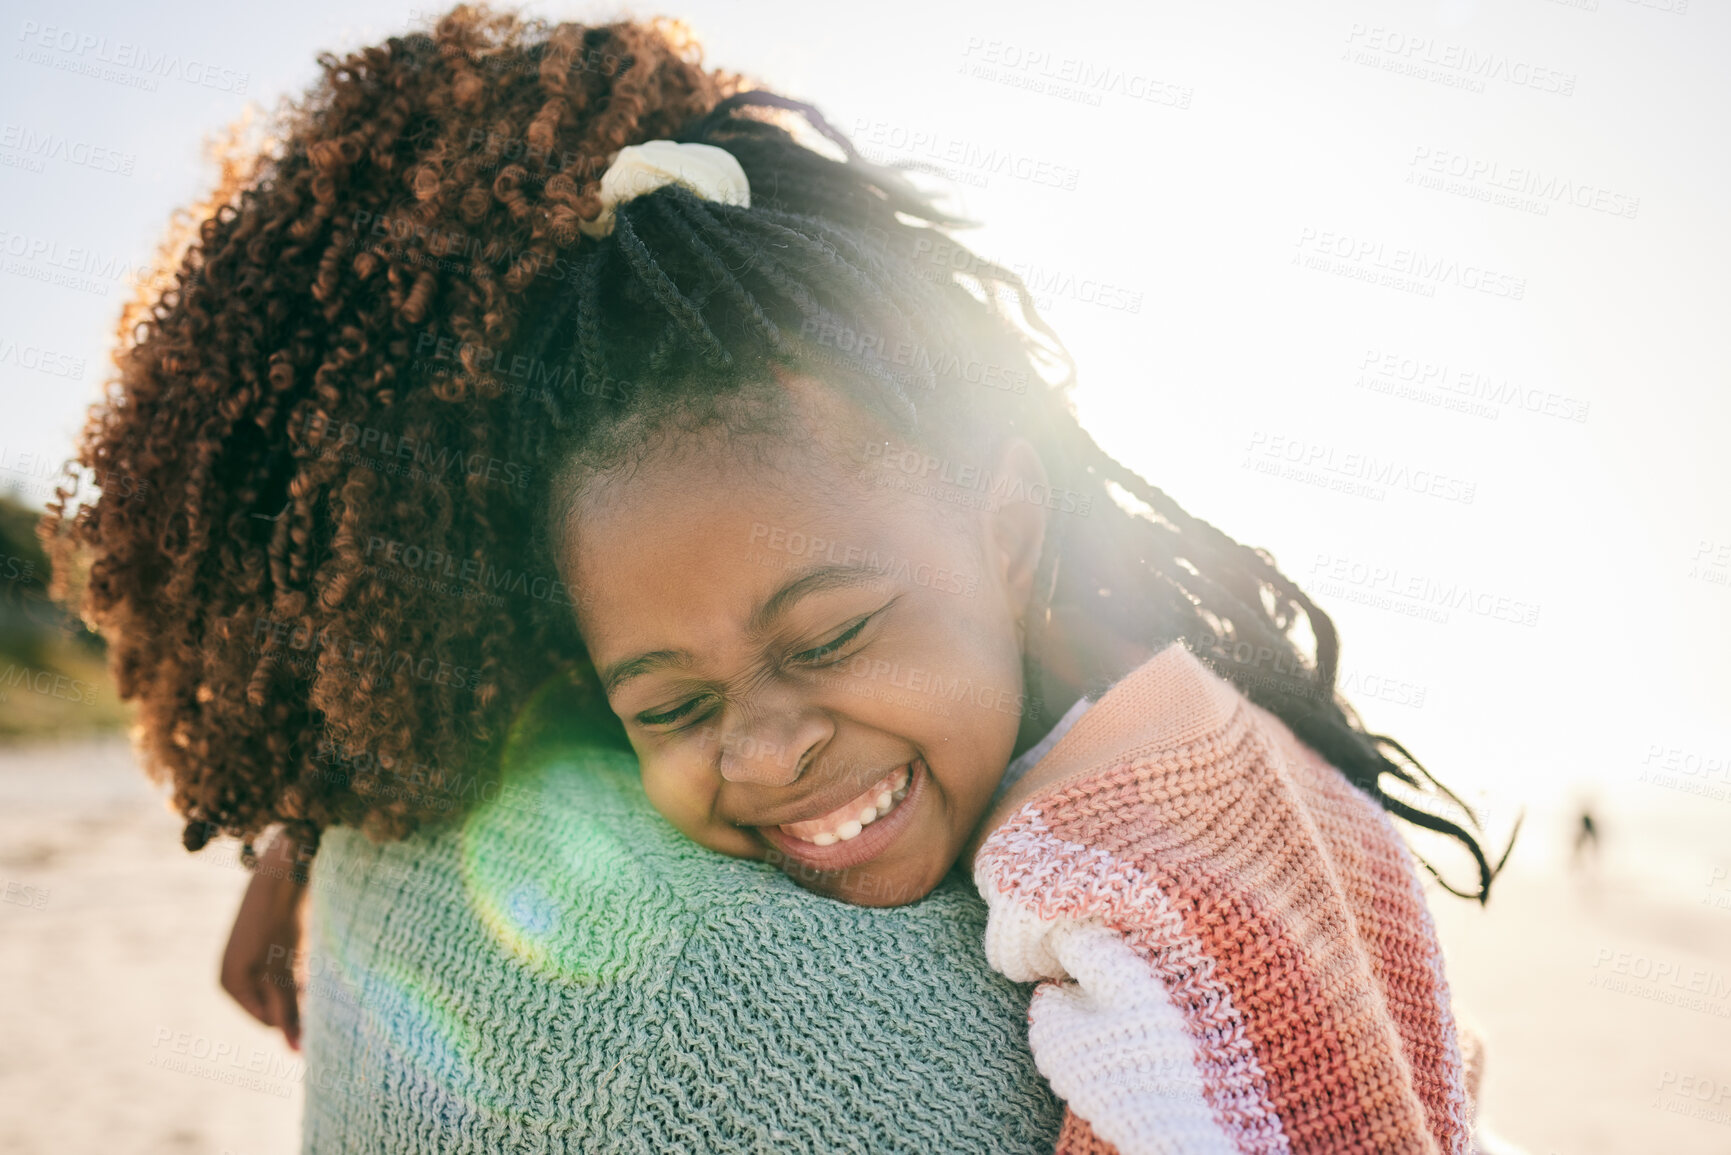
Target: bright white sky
x=1212, y=153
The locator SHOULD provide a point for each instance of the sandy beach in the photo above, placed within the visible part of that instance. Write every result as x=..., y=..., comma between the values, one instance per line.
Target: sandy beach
x=109, y=958
x=1606, y=1005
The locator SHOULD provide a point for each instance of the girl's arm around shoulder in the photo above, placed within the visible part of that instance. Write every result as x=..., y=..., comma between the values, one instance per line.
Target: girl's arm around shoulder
x=1102, y=1025
x=1128, y=874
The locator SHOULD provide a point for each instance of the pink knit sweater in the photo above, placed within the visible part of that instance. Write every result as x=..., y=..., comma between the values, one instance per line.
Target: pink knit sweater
x=1235, y=951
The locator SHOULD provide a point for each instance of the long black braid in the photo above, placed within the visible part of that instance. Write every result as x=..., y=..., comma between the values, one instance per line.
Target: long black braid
x=690, y=302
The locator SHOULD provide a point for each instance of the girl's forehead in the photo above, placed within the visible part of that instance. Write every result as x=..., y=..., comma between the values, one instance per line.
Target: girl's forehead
x=797, y=433
x=695, y=552
x=705, y=510
x=682, y=524
x=698, y=500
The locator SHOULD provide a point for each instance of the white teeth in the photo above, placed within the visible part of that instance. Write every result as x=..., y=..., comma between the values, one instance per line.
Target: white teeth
x=895, y=790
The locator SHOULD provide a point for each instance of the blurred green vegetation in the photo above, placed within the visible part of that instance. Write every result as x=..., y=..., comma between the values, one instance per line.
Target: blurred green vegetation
x=54, y=677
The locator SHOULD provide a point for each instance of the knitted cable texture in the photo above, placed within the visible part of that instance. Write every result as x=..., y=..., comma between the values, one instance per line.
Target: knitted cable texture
x=565, y=972
x=1234, y=945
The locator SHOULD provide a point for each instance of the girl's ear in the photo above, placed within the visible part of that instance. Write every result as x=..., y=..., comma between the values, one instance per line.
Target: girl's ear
x=1016, y=529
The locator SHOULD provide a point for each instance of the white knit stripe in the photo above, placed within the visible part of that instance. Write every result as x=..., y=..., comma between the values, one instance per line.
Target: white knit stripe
x=1034, y=883
x=1114, y=1047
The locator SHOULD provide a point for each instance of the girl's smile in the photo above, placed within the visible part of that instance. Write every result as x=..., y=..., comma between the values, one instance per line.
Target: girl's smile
x=857, y=831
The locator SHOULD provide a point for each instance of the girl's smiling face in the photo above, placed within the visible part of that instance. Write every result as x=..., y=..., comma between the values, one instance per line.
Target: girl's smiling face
x=816, y=666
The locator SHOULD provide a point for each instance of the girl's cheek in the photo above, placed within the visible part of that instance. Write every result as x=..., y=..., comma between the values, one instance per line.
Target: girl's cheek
x=686, y=798
x=676, y=797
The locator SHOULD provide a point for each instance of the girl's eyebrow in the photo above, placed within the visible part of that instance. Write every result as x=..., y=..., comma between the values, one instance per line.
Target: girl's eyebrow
x=613, y=676
x=825, y=577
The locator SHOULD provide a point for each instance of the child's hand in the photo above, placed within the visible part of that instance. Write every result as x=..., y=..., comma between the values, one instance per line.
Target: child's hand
x=258, y=965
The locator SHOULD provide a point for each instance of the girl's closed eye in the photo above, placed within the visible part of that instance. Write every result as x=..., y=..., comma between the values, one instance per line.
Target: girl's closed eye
x=830, y=652
x=668, y=717
x=826, y=654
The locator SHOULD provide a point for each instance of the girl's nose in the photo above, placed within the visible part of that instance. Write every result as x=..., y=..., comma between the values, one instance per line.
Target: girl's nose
x=771, y=744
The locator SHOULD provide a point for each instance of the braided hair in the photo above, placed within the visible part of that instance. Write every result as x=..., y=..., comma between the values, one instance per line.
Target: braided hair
x=543, y=351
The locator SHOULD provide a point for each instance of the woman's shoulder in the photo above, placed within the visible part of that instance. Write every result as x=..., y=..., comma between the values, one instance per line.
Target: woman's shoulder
x=562, y=962
x=558, y=864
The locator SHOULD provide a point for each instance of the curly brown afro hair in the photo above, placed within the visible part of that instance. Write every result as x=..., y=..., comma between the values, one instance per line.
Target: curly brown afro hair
x=263, y=398
x=390, y=354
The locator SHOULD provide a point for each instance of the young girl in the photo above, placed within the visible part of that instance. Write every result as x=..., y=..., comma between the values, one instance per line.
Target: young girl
x=543, y=353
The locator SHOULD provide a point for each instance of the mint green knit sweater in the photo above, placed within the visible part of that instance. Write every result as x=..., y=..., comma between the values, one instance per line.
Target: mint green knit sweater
x=565, y=972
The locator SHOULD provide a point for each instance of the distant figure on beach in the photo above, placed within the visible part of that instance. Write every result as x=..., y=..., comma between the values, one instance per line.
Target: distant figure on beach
x=1586, y=837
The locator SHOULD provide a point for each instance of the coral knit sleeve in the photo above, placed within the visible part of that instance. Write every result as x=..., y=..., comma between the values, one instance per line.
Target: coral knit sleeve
x=1232, y=945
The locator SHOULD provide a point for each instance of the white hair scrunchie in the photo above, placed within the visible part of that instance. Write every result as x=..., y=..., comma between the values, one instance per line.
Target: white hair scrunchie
x=710, y=172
